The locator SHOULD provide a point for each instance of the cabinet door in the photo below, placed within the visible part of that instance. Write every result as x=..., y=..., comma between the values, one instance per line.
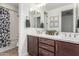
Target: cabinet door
x=32, y=45
x=67, y=49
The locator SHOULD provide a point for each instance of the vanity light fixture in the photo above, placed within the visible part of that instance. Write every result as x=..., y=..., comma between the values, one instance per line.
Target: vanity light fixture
x=37, y=6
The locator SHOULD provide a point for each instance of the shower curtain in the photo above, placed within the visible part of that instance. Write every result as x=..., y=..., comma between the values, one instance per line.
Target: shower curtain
x=4, y=27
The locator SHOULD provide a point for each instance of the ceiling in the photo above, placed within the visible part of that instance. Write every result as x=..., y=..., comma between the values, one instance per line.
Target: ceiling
x=50, y=6
x=16, y=5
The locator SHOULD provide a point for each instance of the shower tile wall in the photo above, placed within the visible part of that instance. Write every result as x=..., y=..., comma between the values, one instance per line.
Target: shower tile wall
x=4, y=27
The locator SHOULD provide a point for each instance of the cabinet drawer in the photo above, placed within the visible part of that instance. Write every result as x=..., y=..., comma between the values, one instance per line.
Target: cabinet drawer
x=46, y=41
x=43, y=52
x=47, y=47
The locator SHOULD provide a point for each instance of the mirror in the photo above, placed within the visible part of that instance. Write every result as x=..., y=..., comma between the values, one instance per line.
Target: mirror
x=36, y=20
x=77, y=17
x=62, y=17
x=77, y=26
x=67, y=21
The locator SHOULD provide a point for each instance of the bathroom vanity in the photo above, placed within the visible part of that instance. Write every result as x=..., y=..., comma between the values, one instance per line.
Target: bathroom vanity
x=61, y=19
x=43, y=46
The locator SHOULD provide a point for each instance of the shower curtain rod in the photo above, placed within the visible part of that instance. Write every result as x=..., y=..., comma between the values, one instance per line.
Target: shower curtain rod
x=8, y=9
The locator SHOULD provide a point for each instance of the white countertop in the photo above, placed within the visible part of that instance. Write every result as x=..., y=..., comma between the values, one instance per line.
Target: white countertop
x=59, y=38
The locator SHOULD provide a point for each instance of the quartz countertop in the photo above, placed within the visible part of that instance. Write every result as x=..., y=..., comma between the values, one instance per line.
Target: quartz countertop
x=56, y=37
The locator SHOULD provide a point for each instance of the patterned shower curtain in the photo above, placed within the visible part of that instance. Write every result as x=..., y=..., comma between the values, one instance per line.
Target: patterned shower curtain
x=4, y=27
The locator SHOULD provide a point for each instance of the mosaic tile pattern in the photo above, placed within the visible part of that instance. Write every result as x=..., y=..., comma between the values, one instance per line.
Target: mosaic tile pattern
x=4, y=27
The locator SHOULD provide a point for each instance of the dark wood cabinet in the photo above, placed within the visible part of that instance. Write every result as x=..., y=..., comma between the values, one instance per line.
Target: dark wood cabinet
x=44, y=52
x=38, y=46
x=46, y=47
x=47, y=41
x=67, y=49
x=32, y=45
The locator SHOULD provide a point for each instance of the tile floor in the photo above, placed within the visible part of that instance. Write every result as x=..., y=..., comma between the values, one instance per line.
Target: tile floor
x=12, y=52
